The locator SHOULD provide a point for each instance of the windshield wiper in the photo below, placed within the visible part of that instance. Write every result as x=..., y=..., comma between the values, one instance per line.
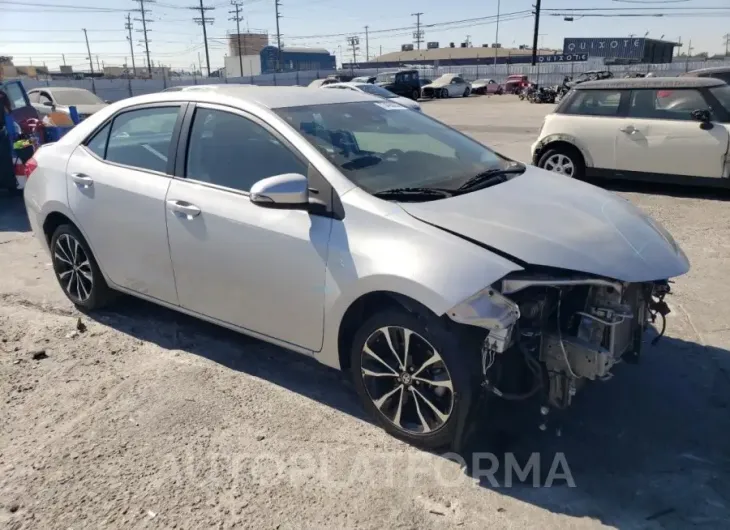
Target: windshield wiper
x=491, y=177
x=413, y=193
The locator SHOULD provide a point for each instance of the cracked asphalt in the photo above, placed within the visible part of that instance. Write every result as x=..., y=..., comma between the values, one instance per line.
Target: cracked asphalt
x=150, y=419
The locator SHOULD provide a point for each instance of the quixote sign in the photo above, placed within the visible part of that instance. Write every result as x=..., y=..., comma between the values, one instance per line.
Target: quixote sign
x=605, y=47
x=564, y=58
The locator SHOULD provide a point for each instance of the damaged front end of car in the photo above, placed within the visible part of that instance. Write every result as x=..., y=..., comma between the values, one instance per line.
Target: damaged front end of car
x=550, y=333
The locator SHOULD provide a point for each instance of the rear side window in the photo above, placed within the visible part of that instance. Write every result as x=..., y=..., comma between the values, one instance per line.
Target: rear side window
x=725, y=76
x=141, y=138
x=97, y=144
x=594, y=103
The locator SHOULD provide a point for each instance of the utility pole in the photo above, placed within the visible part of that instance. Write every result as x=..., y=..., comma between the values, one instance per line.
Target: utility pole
x=128, y=27
x=237, y=17
x=418, y=35
x=536, y=33
x=144, y=22
x=63, y=55
x=277, y=5
x=367, y=45
x=727, y=44
x=496, y=37
x=200, y=65
x=97, y=64
x=354, y=43
x=202, y=20
x=88, y=50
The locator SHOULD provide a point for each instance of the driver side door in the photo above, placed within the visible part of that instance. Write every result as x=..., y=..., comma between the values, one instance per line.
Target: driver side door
x=256, y=268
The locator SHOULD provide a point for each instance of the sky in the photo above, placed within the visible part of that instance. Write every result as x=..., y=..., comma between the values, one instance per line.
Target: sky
x=40, y=31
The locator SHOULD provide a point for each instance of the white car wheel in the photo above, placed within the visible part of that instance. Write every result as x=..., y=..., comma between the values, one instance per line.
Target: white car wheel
x=560, y=163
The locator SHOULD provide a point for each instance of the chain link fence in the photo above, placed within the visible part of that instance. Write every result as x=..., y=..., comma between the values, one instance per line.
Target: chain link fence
x=544, y=74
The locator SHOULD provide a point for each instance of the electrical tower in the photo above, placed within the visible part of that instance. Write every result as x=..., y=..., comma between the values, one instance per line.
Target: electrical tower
x=203, y=21
x=237, y=18
x=143, y=12
x=128, y=27
x=418, y=34
x=277, y=5
x=354, y=44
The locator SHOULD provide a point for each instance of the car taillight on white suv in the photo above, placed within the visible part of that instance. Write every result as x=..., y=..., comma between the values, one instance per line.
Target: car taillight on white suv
x=30, y=166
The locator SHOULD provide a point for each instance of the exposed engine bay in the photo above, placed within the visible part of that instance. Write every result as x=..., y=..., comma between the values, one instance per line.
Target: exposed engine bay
x=556, y=333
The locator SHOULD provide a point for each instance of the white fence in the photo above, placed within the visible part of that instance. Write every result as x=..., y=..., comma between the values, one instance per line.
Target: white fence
x=545, y=74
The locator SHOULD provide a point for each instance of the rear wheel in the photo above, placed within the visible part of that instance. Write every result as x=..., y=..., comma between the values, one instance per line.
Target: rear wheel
x=467, y=92
x=563, y=160
x=76, y=270
x=415, y=95
x=445, y=93
x=412, y=375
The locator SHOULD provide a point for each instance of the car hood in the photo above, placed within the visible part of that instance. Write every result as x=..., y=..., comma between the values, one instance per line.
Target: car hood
x=409, y=103
x=438, y=84
x=544, y=219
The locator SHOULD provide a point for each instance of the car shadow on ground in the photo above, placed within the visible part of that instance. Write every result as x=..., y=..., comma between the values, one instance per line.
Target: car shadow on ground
x=648, y=449
x=12, y=214
x=657, y=188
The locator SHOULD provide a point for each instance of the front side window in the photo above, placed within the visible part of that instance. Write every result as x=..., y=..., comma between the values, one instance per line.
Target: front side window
x=722, y=93
x=381, y=145
x=666, y=104
x=595, y=103
x=15, y=95
x=141, y=138
x=34, y=97
x=97, y=144
x=229, y=150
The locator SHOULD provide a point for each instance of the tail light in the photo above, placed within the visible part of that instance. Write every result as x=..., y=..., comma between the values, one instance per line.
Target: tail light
x=30, y=166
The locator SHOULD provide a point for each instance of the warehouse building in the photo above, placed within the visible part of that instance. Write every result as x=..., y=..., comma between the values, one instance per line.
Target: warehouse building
x=247, y=44
x=623, y=50
x=292, y=59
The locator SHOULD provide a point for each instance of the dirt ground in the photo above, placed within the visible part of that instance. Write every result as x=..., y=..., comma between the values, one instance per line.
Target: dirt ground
x=150, y=419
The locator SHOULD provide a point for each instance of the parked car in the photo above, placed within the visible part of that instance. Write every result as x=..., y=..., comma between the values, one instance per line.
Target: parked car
x=60, y=99
x=365, y=79
x=319, y=83
x=486, y=86
x=325, y=222
x=591, y=75
x=405, y=83
x=376, y=90
x=447, y=86
x=516, y=84
x=718, y=72
x=657, y=128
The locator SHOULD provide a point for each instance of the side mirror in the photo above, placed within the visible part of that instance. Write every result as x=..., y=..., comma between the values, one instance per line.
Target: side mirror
x=108, y=101
x=48, y=104
x=703, y=116
x=289, y=190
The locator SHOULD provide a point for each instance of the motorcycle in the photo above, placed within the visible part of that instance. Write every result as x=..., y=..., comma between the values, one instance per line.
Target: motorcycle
x=543, y=95
x=560, y=92
x=528, y=92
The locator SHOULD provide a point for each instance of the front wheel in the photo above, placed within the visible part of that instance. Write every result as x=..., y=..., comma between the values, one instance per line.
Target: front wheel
x=415, y=95
x=565, y=161
x=467, y=92
x=445, y=93
x=412, y=375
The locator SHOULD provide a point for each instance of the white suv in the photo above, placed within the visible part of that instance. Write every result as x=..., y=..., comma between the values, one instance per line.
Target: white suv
x=667, y=129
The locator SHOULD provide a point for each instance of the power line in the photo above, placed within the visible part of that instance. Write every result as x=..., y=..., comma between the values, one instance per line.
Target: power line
x=143, y=12
x=202, y=20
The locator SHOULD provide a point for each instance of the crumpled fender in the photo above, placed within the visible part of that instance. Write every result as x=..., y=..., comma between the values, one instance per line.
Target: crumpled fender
x=562, y=137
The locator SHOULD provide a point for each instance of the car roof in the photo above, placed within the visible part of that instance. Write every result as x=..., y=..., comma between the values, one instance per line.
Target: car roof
x=708, y=71
x=650, y=82
x=353, y=83
x=263, y=96
x=60, y=89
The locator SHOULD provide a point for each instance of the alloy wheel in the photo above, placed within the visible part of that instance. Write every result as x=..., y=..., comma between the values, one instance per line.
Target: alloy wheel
x=73, y=268
x=407, y=380
x=560, y=163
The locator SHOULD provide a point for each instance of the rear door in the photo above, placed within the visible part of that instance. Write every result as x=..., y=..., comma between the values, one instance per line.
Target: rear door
x=660, y=136
x=117, y=182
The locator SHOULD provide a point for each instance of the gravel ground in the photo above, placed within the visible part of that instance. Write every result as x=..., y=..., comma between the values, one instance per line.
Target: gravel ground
x=149, y=419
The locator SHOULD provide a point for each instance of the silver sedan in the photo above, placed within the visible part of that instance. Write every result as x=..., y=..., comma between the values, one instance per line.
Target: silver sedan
x=350, y=229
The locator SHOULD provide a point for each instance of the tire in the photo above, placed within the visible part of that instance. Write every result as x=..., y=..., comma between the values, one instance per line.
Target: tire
x=466, y=93
x=551, y=159
x=401, y=389
x=445, y=93
x=90, y=291
x=415, y=95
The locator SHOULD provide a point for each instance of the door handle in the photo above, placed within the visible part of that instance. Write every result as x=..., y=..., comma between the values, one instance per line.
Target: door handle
x=629, y=129
x=184, y=208
x=82, y=180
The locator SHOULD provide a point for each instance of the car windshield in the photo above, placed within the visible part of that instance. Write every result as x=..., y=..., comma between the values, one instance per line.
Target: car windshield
x=722, y=93
x=381, y=145
x=76, y=97
x=377, y=91
x=385, y=78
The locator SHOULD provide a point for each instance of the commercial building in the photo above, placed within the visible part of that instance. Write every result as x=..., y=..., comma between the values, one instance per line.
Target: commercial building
x=454, y=56
x=623, y=50
x=291, y=59
x=247, y=43
x=243, y=66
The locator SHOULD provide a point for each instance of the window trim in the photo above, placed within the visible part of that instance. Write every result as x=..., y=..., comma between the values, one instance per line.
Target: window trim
x=186, y=136
x=172, y=150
